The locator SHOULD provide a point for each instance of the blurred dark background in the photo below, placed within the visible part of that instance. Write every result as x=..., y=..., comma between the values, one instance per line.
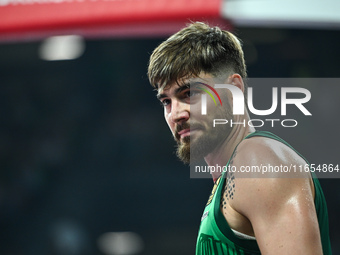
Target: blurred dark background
x=85, y=149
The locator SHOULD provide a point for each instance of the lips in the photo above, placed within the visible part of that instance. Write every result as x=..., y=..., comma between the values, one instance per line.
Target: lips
x=184, y=132
x=186, y=129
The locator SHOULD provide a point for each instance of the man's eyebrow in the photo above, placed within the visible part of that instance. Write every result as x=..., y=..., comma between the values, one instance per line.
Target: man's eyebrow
x=160, y=96
x=177, y=91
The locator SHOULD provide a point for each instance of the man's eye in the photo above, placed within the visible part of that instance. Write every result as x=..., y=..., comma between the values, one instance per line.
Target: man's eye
x=165, y=102
x=193, y=92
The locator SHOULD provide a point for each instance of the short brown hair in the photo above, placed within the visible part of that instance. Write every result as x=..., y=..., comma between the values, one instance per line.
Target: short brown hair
x=194, y=49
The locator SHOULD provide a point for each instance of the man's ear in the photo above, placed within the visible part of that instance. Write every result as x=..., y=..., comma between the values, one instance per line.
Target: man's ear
x=236, y=80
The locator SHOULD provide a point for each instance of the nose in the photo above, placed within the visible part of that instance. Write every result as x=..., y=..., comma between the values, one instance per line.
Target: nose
x=180, y=112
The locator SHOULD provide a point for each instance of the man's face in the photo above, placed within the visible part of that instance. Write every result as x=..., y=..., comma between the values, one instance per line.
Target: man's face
x=194, y=133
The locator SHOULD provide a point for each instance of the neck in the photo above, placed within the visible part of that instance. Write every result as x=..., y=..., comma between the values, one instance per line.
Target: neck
x=222, y=153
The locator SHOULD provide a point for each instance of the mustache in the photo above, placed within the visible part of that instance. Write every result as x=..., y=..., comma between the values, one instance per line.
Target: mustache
x=181, y=127
x=184, y=126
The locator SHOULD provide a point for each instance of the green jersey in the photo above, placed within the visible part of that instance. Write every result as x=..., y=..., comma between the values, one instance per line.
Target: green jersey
x=215, y=237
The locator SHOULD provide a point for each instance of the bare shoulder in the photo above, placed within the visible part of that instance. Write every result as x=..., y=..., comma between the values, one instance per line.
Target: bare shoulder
x=270, y=158
x=267, y=175
x=275, y=207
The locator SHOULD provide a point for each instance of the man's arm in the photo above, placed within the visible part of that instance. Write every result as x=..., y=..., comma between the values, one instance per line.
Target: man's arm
x=281, y=210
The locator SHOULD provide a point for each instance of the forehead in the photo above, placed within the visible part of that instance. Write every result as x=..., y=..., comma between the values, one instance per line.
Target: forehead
x=185, y=82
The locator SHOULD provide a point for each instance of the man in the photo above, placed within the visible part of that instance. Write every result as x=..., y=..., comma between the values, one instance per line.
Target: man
x=283, y=213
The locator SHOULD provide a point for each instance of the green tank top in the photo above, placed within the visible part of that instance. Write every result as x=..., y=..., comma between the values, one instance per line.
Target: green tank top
x=215, y=237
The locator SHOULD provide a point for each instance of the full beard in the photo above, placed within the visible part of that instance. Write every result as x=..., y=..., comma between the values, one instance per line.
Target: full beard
x=193, y=150
x=183, y=150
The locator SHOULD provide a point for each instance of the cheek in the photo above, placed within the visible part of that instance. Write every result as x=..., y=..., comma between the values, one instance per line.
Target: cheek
x=168, y=121
x=227, y=100
x=196, y=110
